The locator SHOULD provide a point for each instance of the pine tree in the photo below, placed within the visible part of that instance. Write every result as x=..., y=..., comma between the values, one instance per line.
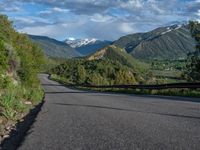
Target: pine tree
x=81, y=74
x=193, y=65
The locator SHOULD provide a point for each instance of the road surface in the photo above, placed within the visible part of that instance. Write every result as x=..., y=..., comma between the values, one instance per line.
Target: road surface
x=80, y=120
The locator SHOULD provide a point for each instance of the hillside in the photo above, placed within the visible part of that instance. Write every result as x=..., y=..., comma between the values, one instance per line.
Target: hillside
x=115, y=53
x=94, y=72
x=20, y=62
x=54, y=48
x=108, y=66
x=172, y=42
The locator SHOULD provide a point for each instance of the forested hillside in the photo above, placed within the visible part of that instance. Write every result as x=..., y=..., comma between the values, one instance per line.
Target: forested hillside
x=20, y=61
x=172, y=42
x=108, y=66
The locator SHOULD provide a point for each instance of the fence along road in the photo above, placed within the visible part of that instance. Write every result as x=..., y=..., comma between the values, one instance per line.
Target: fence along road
x=150, y=87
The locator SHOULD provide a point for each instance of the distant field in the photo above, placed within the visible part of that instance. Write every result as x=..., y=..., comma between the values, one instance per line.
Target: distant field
x=171, y=76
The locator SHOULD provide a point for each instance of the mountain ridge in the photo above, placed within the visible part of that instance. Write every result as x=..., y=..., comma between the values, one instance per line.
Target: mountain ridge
x=171, y=42
x=54, y=48
x=115, y=53
x=75, y=43
x=87, y=46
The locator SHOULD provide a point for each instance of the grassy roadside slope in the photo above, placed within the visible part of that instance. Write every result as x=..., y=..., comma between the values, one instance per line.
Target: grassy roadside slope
x=20, y=61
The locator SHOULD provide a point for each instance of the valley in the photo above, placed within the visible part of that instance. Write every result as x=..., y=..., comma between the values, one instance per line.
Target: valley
x=166, y=61
x=99, y=75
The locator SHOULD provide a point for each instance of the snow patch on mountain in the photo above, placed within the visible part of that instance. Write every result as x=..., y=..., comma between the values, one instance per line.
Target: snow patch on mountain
x=169, y=29
x=75, y=43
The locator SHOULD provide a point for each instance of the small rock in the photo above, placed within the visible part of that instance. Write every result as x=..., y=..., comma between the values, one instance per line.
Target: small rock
x=6, y=136
x=28, y=103
x=21, y=120
x=8, y=128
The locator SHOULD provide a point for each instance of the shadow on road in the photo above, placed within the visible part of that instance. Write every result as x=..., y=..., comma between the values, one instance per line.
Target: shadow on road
x=146, y=97
x=17, y=135
x=130, y=110
x=70, y=92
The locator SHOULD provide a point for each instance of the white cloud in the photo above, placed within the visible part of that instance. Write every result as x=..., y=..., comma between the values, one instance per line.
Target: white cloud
x=37, y=30
x=198, y=13
x=83, y=29
x=57, y=9
x=101, y=18
x=126, y=28
x=45, y=12
x=24, y=20
x=14, y=9
x=132, y=4
x=153, y=4
x=98, y=18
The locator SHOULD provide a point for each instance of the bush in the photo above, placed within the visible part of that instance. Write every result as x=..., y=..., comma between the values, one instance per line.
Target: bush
x=3, y=57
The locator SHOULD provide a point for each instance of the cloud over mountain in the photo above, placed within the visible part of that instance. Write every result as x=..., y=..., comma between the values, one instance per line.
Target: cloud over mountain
x=85, y=18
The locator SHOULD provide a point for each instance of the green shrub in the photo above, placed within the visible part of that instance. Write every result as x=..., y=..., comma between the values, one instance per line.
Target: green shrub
x=3, y=57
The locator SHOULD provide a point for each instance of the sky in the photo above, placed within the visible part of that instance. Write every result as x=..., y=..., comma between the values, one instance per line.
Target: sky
x=100, y=19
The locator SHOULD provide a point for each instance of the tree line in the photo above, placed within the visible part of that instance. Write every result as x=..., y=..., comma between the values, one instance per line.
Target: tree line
x=94, y=72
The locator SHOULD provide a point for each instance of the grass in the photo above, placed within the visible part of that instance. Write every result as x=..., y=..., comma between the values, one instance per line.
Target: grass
x=11, y=106
x=166, y=73
x=14, y=106
x=164, y=76
x=12, y=101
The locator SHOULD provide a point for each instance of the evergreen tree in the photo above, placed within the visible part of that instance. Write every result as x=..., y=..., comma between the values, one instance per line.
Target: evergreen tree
x=81, y=74
x=193, y=65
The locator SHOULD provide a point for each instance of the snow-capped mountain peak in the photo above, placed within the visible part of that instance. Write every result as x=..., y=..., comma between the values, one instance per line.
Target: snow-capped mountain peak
x=75, y=43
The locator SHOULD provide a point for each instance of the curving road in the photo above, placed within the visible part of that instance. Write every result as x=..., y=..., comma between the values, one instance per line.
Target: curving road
x=80, y=120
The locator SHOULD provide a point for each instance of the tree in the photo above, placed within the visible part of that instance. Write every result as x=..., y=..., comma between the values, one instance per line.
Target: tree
x=193, y=65
x=124, y=77
x=81, y=74
x=97, y=79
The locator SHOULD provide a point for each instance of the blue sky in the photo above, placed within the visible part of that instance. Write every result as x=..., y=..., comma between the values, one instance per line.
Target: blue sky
x=101, y=19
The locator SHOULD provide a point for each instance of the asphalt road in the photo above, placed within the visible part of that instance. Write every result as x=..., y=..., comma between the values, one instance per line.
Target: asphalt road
x=81, y=120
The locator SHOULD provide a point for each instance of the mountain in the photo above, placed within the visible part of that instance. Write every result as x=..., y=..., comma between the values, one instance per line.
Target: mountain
x=54, y=48
x=115, y=53
x=87, y=46
x=75, y=43
x=91, y=48
x=171, y=42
